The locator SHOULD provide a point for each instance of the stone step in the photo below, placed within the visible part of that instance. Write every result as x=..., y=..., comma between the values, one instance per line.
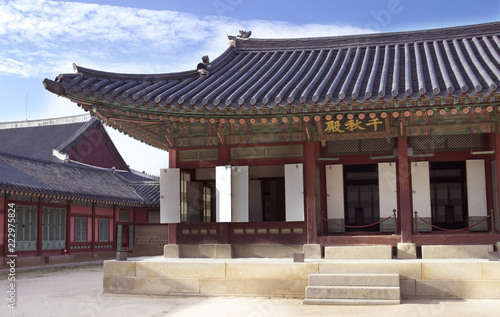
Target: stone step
x=354, y=302
x=354, y=279
x=353, y=292
x=353, y=289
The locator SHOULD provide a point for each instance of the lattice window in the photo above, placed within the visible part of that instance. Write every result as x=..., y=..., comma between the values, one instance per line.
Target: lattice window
x=343, y=147
x=197, y=155
x=267, y=152
x=376, y=145
x=453, y=142
x=103, y=230
x=80, y=229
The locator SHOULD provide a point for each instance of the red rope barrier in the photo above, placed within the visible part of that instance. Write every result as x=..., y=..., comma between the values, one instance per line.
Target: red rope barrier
x=461, y=229
x=363, y=226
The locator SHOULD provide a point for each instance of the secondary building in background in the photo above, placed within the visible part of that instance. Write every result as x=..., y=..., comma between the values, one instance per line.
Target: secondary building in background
x=66, y=194
x=364, y=139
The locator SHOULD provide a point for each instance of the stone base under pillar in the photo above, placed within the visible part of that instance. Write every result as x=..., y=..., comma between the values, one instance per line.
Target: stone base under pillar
x=407, y=251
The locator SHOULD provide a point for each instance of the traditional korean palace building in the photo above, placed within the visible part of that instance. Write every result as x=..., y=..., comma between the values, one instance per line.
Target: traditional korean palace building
x=66, y=194
x=364, y=139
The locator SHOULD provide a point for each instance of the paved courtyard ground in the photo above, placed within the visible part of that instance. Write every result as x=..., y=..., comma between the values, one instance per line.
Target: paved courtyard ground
x=77, y=291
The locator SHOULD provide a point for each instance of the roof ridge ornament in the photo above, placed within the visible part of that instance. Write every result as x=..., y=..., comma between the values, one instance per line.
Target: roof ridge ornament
x=244, y=34
x=203, y=67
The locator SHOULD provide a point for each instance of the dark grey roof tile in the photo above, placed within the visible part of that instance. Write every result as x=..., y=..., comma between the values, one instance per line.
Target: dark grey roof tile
x=281, y=72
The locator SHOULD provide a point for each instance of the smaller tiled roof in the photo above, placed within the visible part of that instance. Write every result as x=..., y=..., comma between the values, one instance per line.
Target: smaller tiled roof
x=38, y=138
x=69, y=181
x=149, y=192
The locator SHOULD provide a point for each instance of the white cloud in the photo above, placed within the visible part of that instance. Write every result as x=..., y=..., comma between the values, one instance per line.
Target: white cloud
x=39, y=38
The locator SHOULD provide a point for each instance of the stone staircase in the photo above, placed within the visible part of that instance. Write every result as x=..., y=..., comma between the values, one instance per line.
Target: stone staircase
x=353, y=289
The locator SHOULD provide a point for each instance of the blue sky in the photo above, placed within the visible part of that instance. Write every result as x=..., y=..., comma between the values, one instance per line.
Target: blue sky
x=41, y=39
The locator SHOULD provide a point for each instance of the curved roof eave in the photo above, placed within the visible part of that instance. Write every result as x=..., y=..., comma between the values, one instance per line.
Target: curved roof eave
x=296, y=72
x=88, y=72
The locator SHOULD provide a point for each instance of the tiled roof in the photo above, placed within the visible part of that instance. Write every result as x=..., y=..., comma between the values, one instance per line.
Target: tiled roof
x=70, y=181
x=344, y=69
x=38, y=138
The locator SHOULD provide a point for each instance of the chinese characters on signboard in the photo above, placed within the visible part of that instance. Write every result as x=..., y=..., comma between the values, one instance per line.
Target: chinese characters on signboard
x=353, y=126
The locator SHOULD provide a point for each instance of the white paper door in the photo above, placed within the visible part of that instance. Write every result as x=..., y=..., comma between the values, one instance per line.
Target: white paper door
x=294, y=192
x=239, y=194
x=476, y=188
x=223, y=193
x=387, y=189
x=420, y=183
x=170, y=195
x=335, y=191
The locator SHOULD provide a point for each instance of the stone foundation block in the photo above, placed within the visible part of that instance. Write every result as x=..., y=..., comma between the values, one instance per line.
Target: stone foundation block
x=255, y=287
x=223, y=251
x=458, y=289
x=447, y=270
x=490, y=270
x=81, y=256
x=358, y=252
x=312, y=251
x=407, y=251
x=266, y=250
x=157, y=285
x=119, y=268
x=241, y=271
x=456, y=251
x=171, y=251
x=121, y=256
x=212, y=270
x=298, y=257
x=56, y=259
x=407, y=288
x=27, y=261
x=110, y=284
x=406, y=270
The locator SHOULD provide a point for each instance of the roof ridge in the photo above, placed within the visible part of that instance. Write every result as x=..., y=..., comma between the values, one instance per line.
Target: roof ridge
x=41, y=160
x=45, y=122
x=369, y=39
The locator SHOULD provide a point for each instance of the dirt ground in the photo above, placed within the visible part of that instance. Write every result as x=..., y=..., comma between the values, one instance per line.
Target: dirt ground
x=77, y=291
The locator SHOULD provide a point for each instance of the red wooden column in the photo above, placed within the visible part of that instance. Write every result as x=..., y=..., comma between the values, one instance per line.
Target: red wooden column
x=497, y=165
x=68, y=226
x=93, y=229
x=405, y=193
x=311, y=152
x=5, y=233
x=172, y=227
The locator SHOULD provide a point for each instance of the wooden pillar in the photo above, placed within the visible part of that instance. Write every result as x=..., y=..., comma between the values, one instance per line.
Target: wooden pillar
x=497, y=180
x=224, y=232
x=311, y=152
x=68, y=226
x=172, y=158
x=224, y=157
x=405, y=194
x=92, y=229
x=5, y=234
x=115, y=237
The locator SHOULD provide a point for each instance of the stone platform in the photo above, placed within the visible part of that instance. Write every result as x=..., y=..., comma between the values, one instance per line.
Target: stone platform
x=419, y=278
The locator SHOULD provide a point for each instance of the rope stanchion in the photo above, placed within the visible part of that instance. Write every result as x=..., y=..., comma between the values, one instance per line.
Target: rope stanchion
x=356, y=227
x=461, y=229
